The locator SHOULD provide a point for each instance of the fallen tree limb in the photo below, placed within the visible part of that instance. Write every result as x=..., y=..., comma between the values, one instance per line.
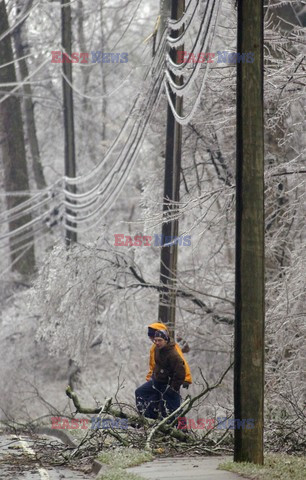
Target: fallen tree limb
x=165, y=421
x=166, y=425
x=133, y=419
x=186, y=406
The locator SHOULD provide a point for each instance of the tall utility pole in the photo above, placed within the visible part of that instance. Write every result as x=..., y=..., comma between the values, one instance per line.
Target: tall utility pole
x=249, y=319
x=168, y=266
x=70, y=167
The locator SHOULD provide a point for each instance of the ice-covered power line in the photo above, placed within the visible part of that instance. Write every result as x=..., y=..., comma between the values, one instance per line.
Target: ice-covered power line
x=24, y=249
x=19, y=20
x=105, y=95
x=114, y=184
x=96, y=191
x=95, y=200
x=16, y=60
x=18, y=242
x=116, y=189
x=198, y=44
x=189, y=11
x=128, y=26
x=23, y=82
x=179, y=40
x=26, y=211
x=119, y=174
x=27, y=225
x=207, y=29
x=139, y=103
x=180, y=90
x=35, y=201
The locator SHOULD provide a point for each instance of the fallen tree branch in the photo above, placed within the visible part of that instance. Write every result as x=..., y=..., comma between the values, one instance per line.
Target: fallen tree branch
x=165, y=425
x=163, y=422
x=186, y=406
x=73, y=396
x=133, y=419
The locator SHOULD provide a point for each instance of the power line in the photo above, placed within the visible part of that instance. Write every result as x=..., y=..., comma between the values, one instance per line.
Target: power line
x=100, y=192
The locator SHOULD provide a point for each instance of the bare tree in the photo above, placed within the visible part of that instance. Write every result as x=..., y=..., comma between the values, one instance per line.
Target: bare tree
x=21, y=47
x=13, y=151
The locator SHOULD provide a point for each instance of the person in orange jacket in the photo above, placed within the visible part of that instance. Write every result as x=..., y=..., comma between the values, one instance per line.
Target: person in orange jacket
x=151, y=332
x=153, y=396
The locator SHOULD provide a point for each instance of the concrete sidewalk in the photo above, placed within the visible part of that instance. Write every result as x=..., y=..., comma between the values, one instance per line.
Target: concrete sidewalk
x=185, y=468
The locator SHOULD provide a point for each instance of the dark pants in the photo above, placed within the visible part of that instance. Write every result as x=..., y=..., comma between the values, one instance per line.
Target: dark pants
x=153, y=397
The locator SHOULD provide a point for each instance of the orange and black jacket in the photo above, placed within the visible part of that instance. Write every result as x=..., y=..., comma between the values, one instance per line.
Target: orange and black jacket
x=169, y=366
x=161, y=326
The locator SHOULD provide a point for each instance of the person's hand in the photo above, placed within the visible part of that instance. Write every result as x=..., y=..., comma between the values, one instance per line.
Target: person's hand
x=186, y=385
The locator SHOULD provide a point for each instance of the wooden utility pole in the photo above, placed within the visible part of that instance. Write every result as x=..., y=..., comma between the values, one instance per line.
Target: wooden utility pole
x=70, y=167
x=249, y=321
x=168, y=266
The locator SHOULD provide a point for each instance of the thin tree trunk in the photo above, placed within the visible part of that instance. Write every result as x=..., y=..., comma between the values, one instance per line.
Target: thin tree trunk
x=19, y=40
x=86, y=132
x=13, y=151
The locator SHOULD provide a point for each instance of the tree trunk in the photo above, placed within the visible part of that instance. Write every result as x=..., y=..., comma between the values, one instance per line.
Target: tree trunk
x=13, y=151
x=19, y=40
x=87, y=127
